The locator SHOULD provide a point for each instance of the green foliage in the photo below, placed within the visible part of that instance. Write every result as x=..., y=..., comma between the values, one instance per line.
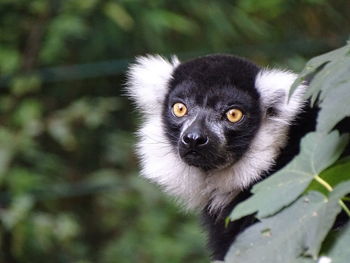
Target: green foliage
x=332, y=85
x=296, y=231
x=338, y=249
x=336, y=174
x=297, y=206
x=318, y=151
x=69, y=190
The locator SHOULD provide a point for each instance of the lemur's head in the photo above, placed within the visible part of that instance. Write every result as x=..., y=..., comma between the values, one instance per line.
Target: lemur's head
x=212, y=125
x=211, y=111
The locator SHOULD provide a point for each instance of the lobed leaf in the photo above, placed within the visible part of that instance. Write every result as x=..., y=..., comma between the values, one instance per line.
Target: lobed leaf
x=315, y=64
x=330, y=84
x=337, y=173
x=333, y=74
x=297, y=231
x=335, y=106
x=318, y=151
x=339, y=251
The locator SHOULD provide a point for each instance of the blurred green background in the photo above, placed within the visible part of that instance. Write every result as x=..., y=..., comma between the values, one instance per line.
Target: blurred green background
x=69, y=185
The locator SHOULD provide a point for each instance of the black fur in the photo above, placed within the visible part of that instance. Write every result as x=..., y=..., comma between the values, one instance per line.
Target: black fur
x=210, y=86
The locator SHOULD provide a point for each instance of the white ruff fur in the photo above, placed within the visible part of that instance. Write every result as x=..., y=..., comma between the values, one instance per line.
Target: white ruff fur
x=160, y=162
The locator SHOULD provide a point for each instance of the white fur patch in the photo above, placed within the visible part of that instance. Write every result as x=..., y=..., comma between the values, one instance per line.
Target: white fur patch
x=162, y=165
x=192, y=187
x=147, y=82
x=271, y=84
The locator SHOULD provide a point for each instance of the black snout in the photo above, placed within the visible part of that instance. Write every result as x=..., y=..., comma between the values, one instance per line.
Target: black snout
x=199, y=146
x=194, y=139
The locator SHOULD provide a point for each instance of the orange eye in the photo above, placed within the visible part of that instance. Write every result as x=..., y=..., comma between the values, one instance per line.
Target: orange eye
x=234, y=115
x=179, y=109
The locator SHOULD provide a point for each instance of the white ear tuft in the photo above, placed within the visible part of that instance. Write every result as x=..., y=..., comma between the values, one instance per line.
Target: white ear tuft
x=148, y=81
x=273, y=86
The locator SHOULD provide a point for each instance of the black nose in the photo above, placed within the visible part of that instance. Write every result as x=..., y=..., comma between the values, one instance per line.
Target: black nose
x=195, y=139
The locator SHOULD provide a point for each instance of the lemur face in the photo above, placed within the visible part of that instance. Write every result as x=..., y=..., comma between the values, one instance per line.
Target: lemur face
x=210, y=126
x=210, y=115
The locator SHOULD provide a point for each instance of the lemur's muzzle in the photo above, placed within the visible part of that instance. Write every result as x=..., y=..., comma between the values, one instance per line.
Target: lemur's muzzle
x=194, y=139
x=195, y=144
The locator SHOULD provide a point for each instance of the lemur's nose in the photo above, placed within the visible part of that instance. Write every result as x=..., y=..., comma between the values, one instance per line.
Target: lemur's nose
x=194, y=139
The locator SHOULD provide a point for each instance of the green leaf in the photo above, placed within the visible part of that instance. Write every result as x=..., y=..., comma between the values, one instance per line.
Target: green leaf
x=330, y=76
x=294, y=232
x=315, y=64
x=330, y=83
x=339, y=251
x=336, y=174
x=318, y=151
x=331, y=113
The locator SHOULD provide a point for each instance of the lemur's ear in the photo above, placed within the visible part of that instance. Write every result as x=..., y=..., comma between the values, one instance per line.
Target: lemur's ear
x=147, y=81
x=273, y=86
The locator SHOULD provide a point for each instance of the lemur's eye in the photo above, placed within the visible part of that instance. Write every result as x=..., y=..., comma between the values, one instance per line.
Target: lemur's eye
x=234, y=115
x=179, y=109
